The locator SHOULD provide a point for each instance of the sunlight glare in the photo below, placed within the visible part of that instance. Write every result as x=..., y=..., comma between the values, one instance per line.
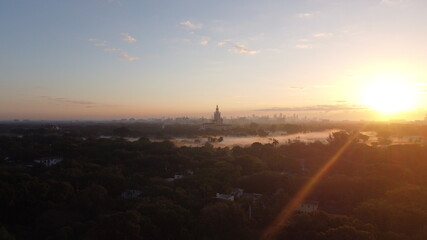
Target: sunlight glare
x=389, y=94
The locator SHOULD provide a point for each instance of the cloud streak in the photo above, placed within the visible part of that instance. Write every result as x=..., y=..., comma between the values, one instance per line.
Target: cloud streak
x=296, y=87
x=243, y=49
x=111, y=49
x=317, y=108
x=322, y=35
x=98, y=42
x=304, y=46
x=125, y=56
x=392, y=2
x=84, y=103
x=222, y=43
x=191, y=25
x=204, y=41
x=128, y=38
x=305, y=15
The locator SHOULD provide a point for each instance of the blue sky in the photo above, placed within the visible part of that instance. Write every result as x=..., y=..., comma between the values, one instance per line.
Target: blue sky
x=103, y=59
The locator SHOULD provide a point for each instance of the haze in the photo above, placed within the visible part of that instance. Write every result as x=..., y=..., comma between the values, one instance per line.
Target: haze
x=108, y=59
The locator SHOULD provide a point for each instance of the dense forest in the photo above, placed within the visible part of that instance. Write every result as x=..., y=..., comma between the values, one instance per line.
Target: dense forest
x=117, y=189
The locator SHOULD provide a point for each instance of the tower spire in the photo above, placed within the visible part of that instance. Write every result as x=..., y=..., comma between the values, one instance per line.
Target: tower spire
x=217, y=116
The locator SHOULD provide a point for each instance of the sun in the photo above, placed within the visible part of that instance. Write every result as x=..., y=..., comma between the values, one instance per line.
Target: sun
x=389, y=94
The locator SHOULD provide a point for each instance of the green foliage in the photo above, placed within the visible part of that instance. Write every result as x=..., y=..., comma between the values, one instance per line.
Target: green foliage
x=224, y=220
x=5, y=235
x=320, y=226
x=81, y=198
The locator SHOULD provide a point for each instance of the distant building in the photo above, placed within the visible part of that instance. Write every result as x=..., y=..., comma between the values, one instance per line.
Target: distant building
x=51, y=127
x=175, y=177
x=180, y=175
x=308, y=206
x=49, y=161
x=216, y=123
x=217, y=116
x=225, y=197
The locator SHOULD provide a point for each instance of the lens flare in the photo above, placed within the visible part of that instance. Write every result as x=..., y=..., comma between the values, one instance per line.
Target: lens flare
x=273, y=230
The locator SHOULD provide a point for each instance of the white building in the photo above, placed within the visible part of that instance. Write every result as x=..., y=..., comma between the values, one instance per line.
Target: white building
x=50, y=161
x=225, y=197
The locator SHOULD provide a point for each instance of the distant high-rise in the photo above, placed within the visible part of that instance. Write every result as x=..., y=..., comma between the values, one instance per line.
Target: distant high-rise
x=216, y=123
x=217, y=116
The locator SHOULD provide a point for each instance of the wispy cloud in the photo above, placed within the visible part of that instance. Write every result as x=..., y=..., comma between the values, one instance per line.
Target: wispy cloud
x=305, y=15
x=222, y=43
x=125, y=56
x=177, y=40
x=322, y=35
x=243, y=49
x=98, y=42
x=392, y=2
x=304, y=46
x=204, y=40
x=76, y=102
x=236, y=46
x=323, y=108
x=111, y=49
x=308, y=43
x=191, y=25
x=128, y=38
x=296, y=87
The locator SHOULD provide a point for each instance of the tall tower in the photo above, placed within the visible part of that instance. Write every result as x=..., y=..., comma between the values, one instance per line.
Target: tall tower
x=217, y=116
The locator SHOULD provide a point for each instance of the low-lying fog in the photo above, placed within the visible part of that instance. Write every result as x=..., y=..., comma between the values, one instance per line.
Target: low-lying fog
x=281, y=137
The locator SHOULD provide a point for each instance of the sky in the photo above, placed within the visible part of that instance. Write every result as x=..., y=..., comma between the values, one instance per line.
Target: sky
x=110, y=59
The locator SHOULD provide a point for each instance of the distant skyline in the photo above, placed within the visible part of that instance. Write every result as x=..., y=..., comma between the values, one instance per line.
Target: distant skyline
x=112, y=59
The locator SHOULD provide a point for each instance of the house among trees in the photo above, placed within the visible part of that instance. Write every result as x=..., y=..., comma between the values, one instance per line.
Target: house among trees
x=225, y=197
x=238, y=192
x=48, y=161
x=180, y=175
x=175, y=177
x=308, y=206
